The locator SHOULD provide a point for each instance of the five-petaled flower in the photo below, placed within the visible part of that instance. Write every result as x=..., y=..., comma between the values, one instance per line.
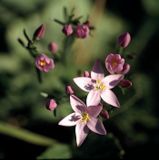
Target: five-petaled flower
x=115, y=64
x=84, y=118
x=44, y=63
x=99, y=86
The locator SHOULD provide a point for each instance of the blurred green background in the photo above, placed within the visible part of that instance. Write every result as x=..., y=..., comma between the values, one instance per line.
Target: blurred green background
x=28, y=129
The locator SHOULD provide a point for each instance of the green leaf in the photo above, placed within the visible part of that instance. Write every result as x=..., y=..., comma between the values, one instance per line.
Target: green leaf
x=26, y=135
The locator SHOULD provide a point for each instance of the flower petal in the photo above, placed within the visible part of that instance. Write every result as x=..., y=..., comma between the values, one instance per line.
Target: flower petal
x=85, y=83
x=97, y=71
x=96, y=126
x=77, y=105
x=126, y=68
x=112, y=80
x=81, y=131
x=96, y=76
x=94, y=111
x=109, y=97
x=93, y=98
x=70, y=120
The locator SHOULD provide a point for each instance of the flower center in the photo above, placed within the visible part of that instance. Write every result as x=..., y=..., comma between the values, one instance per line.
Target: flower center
x=100, y=85
x=85, y=117
x=114, y=64
x=42, y=63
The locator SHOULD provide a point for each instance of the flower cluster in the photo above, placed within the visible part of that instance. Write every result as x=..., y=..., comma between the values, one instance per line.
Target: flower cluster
x=80, y=30
x=42, y=62
x=73, y=27
x=99, y=89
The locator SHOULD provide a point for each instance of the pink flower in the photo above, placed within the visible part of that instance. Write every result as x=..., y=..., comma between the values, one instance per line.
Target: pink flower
x=82, y=31
x=99, y=86
x=115, y=64
x=39, y=32
x=124, y=39
x=51, y=104
x=67, y=29
x=84, y=118
x=53, y=47
x=44, y=63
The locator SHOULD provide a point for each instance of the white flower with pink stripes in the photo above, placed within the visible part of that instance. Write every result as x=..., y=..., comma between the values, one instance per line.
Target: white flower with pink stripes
x=99, y=86
x=84, y=118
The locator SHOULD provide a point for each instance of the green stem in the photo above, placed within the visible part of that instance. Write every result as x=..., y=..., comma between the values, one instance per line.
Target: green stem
x=31, y=48
x=66, y=49
x=25, y=135
x=39, y=75
x=121, y=50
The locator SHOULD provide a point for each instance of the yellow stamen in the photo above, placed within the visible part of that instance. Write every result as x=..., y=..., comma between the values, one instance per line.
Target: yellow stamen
x=42, y=63
x=114, y=64
x=85, y=117
x=100, y=86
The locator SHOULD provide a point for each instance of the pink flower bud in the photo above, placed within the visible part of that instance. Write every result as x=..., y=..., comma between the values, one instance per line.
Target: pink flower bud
x=125, y=83
x=69, y=90
x=44, y=63
x=104, y=114
x=51, y=104
x=86, y=74
x=82, y=31
x=53, y=47
x=67, y=29
x=39, y=32
x=124, y=39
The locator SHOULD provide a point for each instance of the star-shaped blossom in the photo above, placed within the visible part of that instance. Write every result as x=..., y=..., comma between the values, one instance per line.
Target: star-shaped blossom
x=99, y=86
x=44, y=63
x=85, y=119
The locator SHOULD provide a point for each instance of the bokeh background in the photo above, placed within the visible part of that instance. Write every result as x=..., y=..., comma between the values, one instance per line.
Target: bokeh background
x=28, y=130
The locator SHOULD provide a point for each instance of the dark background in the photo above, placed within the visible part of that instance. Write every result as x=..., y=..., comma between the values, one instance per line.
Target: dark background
x=133, y=130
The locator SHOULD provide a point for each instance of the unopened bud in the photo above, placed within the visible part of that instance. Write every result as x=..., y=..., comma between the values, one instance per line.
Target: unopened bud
x=39, y=32
x=125, y=83
x=82, y=31
x=104, y=114
x=51, y=104
x=67, y=29
x=124, y=39
x=53, y=47
x=69, y=90
x=86, y=74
